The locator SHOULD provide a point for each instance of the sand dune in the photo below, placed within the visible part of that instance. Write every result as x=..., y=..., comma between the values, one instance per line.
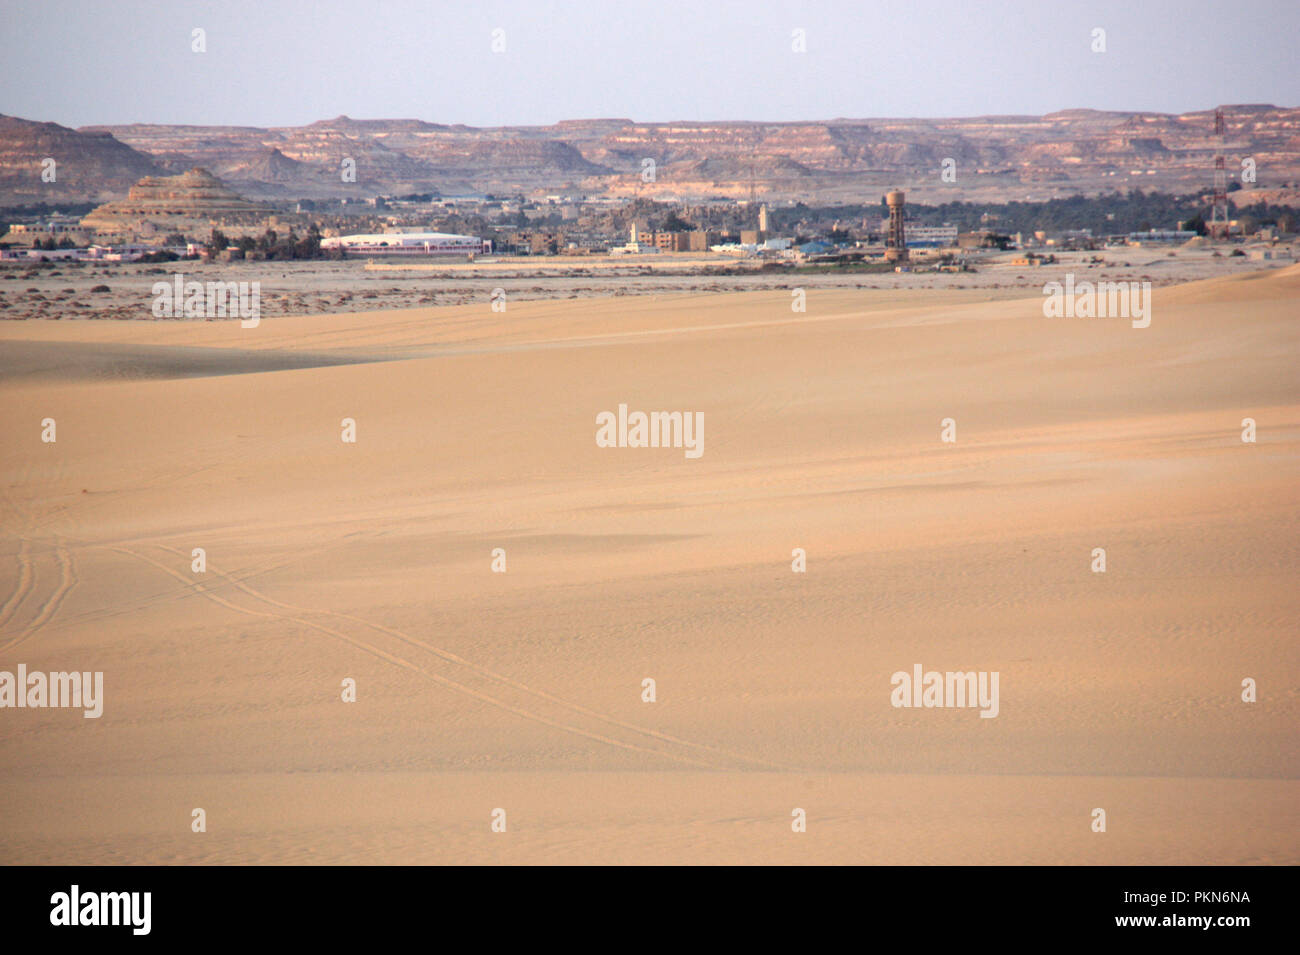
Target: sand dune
x=522, y=690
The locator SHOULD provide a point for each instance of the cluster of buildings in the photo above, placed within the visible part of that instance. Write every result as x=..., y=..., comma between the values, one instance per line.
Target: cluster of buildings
x=178, y=214
x=740, y=242
x=761, y=241
x=89, y=253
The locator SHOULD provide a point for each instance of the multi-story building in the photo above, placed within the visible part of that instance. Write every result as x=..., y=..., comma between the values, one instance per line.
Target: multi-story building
x=701, y=240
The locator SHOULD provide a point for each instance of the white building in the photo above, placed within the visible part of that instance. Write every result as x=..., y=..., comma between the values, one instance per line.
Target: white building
x=635, y=246
x=925, y=236
x=409, y=243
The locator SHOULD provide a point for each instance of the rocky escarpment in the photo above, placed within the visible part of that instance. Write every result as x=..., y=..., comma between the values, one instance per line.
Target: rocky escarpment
x=994, y=158
x=85, y=165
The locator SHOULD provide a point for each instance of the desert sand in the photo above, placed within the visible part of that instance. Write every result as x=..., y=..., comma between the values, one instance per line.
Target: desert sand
x=123, y=290
x=522, y=690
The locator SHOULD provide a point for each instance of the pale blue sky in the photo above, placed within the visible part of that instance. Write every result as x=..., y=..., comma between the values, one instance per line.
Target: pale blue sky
x=287, y=63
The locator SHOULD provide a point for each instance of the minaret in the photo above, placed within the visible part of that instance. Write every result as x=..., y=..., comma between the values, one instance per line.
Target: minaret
x=762, y=219
x=634, y=232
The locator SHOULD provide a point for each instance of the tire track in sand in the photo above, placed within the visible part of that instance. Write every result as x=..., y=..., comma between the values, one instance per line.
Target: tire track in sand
x=26, y=577
x=408, y=665
x=27, y=580
x=45, y=613
x=487, y=673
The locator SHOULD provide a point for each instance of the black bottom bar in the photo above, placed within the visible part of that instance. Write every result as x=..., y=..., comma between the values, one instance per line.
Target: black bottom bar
x=1167, y=905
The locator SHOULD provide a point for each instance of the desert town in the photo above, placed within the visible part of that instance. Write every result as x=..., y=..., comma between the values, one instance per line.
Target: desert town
x=337, y=254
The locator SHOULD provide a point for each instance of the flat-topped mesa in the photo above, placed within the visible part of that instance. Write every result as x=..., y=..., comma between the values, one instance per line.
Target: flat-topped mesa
x=194, y=197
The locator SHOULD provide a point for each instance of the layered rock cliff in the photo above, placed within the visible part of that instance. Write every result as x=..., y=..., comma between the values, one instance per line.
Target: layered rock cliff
x=994, y=158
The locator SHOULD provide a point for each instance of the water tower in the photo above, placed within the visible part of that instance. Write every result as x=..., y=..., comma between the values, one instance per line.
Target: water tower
x=895, y=241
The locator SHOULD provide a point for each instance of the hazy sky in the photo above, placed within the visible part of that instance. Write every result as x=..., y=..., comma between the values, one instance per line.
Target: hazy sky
x=286, y=63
